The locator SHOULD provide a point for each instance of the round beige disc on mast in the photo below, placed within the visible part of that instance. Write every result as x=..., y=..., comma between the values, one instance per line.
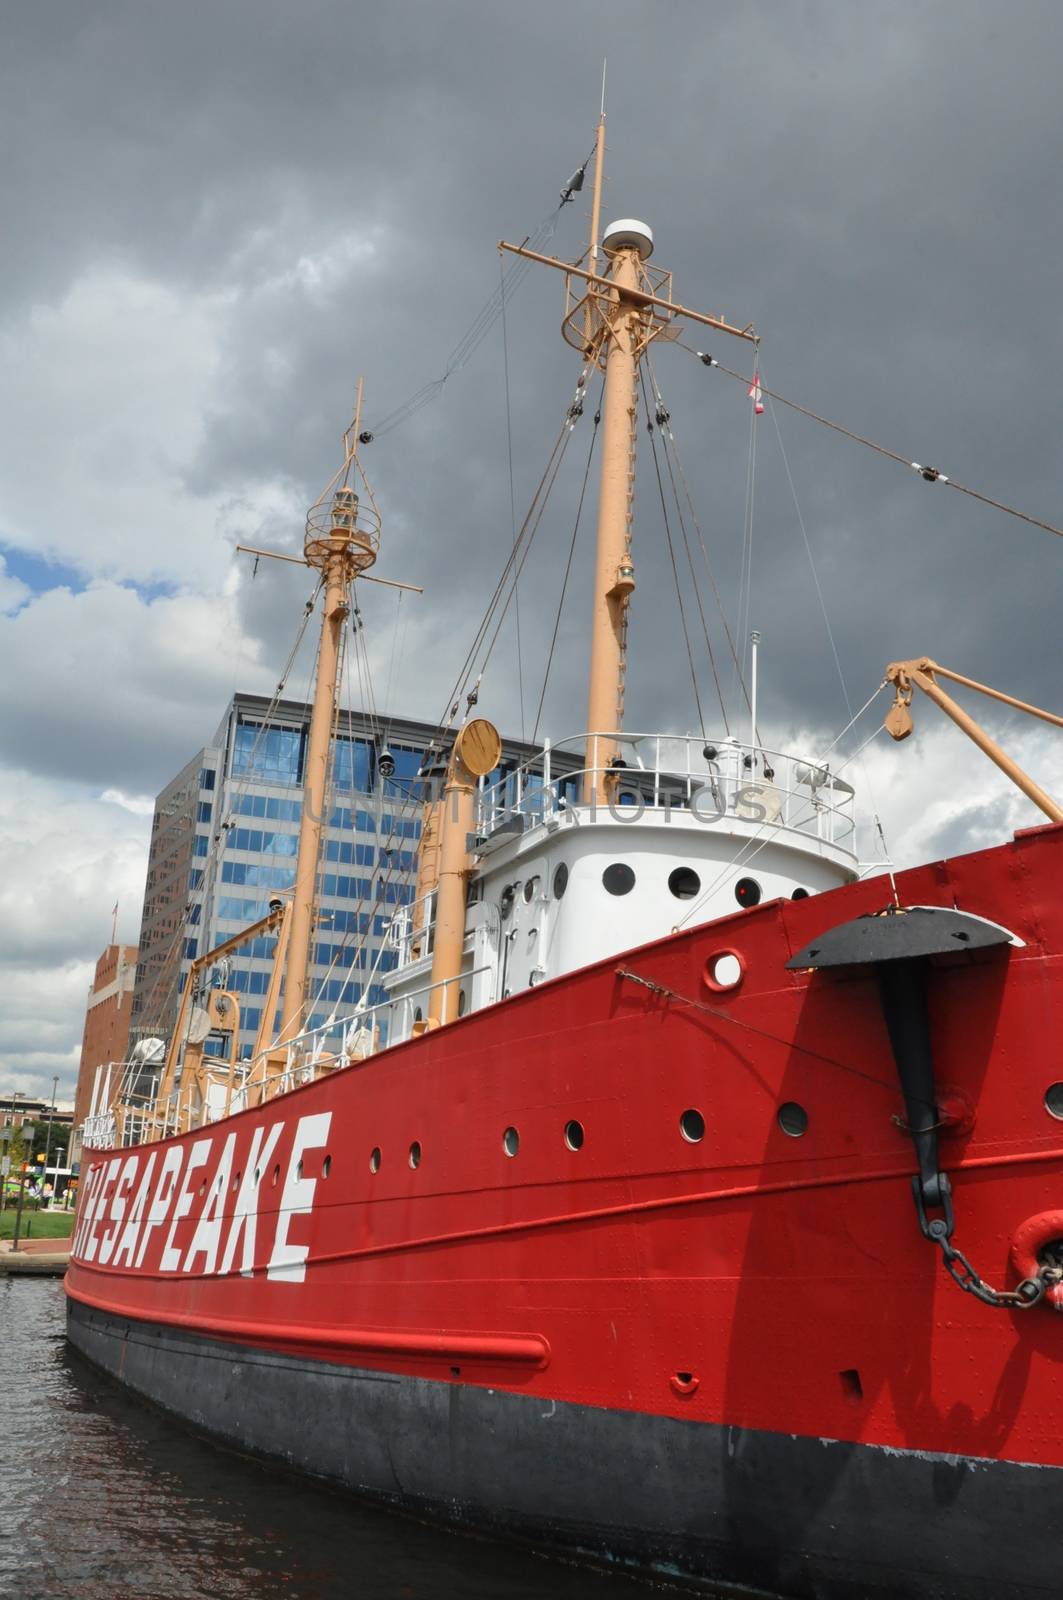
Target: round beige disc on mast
x=478, y=747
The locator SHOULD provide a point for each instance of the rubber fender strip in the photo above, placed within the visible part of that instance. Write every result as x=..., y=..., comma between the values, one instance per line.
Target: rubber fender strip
x=530, y=1350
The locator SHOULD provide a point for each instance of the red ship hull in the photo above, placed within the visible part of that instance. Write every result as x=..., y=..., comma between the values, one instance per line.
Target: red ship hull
x=736, y=1358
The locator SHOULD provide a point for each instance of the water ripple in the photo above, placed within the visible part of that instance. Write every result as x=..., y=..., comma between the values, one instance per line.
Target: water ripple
x=102, y=1498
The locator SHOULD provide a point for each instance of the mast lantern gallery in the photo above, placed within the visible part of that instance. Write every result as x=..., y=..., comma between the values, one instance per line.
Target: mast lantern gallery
x=613, y=323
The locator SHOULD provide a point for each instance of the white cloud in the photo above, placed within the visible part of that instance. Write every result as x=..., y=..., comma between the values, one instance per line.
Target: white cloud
x=67, y=859
x=121, y=383
x=141, y=805
x=123, y=689
x=13, y=592
x=936, y=794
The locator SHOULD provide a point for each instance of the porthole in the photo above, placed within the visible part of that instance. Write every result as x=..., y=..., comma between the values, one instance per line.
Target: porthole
x=236, y=1181
x=415, y=1154
x=374, y=1159
x=619, y=878
x=511, y=1141
x=692, y=1126
x=462, y=1002
x=531, y=889
x=684, y=882
x=299, y=1168
x=799, y=894
x=326, y=1166
x=560, y=880
x=1054, y=1101
x=505, y=904
x=793, y=1119
x=747, y=892
x=724, y=971
x=276, y=1176
x=574, y=1135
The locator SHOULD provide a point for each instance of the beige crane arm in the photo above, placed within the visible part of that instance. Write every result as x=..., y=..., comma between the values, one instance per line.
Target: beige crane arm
x=922, y=673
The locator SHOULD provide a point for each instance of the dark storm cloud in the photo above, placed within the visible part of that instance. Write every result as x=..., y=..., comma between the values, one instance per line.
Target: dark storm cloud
x=875, y=187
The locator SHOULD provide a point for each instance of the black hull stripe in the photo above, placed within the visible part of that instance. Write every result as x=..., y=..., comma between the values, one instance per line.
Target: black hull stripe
x=807, y=1518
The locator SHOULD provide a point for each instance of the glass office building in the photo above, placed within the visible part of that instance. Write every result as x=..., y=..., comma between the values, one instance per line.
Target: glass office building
x=224, y=840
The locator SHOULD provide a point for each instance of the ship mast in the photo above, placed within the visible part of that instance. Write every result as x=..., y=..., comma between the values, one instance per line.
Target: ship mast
x=614, y=578
x=611, y=318
x=341, y=540
x=341, y=544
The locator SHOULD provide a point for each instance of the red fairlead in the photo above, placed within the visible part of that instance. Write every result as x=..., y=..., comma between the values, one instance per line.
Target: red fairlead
x=1037, y=1250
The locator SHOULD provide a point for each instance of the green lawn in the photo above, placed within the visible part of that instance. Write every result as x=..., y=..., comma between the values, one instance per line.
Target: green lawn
x=37, y=1224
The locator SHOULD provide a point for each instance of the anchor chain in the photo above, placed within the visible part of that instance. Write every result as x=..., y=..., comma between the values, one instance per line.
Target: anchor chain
x=939, y=1231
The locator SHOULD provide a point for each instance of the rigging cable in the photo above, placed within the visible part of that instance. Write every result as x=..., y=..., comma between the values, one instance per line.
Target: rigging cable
x=853, y=720
x=718, y=598
x=568, y=563
x=671, y=553
x=399, y=628
x=827, y=625
x=385, y=850
x=512, y=495
x=450, y=710
x=928, y=474
x=236, y=791
x=470, y=341
x=664, y=424
x=745, y=581
x=525, y=553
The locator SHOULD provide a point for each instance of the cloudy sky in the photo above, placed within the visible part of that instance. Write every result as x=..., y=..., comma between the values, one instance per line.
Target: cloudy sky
x=216, y=215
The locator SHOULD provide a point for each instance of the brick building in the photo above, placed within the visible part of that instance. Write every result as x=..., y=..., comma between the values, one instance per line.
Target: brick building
x=106, y=1036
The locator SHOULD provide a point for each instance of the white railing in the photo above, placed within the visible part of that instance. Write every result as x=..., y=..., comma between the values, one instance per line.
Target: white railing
x=340, y=1042
x=712, y=779
x=337, y=1043
x=98, y=1132
x=411, y=932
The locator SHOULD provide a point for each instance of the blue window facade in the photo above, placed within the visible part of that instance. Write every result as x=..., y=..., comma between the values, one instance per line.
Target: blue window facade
x=271, y=755
x=352, y=764
x=256, y=876
x=263, y=805
x=245, y=846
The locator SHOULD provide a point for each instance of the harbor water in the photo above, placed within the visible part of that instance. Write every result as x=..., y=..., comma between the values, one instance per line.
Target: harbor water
x=102, y=1498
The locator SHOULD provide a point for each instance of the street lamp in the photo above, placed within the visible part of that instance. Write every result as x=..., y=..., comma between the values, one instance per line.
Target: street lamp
x=5, y=1164
x=27, y=1144
x=51, y=1114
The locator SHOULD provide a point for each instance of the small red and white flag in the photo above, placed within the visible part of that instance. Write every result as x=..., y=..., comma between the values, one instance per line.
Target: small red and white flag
x=755, y=396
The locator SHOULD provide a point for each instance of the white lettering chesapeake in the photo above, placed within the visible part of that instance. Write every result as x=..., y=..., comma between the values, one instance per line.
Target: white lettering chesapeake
x=85, y=1204
x=160, y=1203
x=99, y=1201
x=125, y=1181
x=206, y=1240
x=128, y=1242
x=171, y=1256
x=245, y=1217
x=289, y=1260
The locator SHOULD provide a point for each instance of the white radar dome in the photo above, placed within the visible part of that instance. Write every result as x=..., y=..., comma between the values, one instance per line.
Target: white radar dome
x=628, y=234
